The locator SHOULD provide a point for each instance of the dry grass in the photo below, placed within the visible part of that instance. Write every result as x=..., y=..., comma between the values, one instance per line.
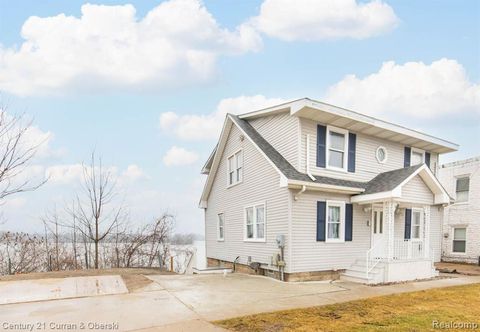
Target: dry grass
x=133, y=277
x=400, y=312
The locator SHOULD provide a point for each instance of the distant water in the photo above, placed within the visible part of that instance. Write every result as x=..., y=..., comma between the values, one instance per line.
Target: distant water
x=201, y=254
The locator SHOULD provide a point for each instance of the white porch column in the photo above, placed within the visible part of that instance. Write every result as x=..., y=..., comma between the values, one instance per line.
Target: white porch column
x=426, y=231
x=389, y=220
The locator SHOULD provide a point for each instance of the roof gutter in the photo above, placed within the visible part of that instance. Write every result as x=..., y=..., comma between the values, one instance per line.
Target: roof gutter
x=297, y=184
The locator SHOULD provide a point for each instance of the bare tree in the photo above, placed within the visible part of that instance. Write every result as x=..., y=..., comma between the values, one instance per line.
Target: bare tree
x=16, y=154
x=96, y=211
x=51, y=223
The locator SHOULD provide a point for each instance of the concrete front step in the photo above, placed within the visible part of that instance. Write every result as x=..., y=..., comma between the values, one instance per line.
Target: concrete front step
x=361, y=274
x=362, y=280
x=363, y=262
x=210, y=270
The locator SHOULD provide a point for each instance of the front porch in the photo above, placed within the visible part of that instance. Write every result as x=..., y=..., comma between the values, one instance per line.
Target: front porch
x=399, y=244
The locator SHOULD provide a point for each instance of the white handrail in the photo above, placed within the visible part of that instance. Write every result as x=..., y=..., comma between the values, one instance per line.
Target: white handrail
x=368, y=258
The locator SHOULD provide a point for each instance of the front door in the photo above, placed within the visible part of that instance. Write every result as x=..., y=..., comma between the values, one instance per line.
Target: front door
x=378, y=234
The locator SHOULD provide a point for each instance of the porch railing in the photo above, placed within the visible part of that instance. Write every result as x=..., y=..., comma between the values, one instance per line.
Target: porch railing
x=372, y=258
x=408, y=249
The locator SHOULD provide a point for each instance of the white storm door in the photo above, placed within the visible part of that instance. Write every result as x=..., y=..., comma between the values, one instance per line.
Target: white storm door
x=378, y=234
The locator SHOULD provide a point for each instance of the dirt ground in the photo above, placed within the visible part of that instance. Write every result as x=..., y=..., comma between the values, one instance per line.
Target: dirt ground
x=466, y=269
x=133, y=277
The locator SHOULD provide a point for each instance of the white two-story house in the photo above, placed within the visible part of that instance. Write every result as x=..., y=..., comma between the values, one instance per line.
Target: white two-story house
x=306, y=190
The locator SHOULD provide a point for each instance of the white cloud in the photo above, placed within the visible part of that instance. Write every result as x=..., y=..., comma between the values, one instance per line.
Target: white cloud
x=33, y=137
x=208, y=126
x=133, y=173
x=176, y=156
x=176, y=43
x=415, y=89
x=73, y=173
x=311, y=20
x=64, y=174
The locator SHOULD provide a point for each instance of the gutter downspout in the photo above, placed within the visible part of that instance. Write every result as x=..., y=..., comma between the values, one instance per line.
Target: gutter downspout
x=308, y=159
x=300, y=192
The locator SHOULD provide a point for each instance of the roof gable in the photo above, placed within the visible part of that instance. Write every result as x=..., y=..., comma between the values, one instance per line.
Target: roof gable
x=389, y=185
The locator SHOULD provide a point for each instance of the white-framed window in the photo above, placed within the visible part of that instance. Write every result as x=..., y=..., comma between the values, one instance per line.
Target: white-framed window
x=337, y=148
x=235, y=168
x=416, y=226
x=462, y=187
x=459, y=244
x=335, y=223
x=381, y=154
x=255, y=222
x=220, y=227
x=417, y=157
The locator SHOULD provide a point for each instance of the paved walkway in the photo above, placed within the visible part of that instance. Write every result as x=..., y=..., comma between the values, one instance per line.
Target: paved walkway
x=186, y=303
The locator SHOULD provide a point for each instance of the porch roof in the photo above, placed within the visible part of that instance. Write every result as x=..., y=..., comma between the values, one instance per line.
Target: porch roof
x=388, y=181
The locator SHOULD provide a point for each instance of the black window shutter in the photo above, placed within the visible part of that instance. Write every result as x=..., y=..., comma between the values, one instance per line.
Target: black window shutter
x=352, y=145
x=427, y=158
x=348, y=222
x=321, y=145
x=406, y=157
x=408, y=223
x=321, y=214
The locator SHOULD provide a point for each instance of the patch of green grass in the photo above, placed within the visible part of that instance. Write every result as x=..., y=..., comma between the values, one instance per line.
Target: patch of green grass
x=399, y=312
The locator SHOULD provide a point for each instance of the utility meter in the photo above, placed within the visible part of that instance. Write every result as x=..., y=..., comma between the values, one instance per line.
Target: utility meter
x=280, y=241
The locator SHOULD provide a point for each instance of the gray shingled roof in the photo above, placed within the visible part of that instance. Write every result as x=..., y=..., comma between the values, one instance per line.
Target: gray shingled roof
x=389, y=180
x=382, y=182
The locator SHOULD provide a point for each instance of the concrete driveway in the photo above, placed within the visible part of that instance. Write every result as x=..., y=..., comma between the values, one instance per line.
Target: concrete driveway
x=186, y=303
x=216, y=297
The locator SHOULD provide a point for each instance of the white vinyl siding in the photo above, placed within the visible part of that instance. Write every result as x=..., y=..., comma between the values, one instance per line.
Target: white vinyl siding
x=416, y=191
x=436, y=231
x=308, y=254
x=282, y=131
x=366, y=163
x=260, y=184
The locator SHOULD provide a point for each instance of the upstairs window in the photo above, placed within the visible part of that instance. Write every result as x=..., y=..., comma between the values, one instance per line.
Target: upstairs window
x=235, y=168
x=417, y=157
x=337, y=148
x=461, y=189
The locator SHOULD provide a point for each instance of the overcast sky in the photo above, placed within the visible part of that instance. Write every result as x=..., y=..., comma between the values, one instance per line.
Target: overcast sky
x=147, y=83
